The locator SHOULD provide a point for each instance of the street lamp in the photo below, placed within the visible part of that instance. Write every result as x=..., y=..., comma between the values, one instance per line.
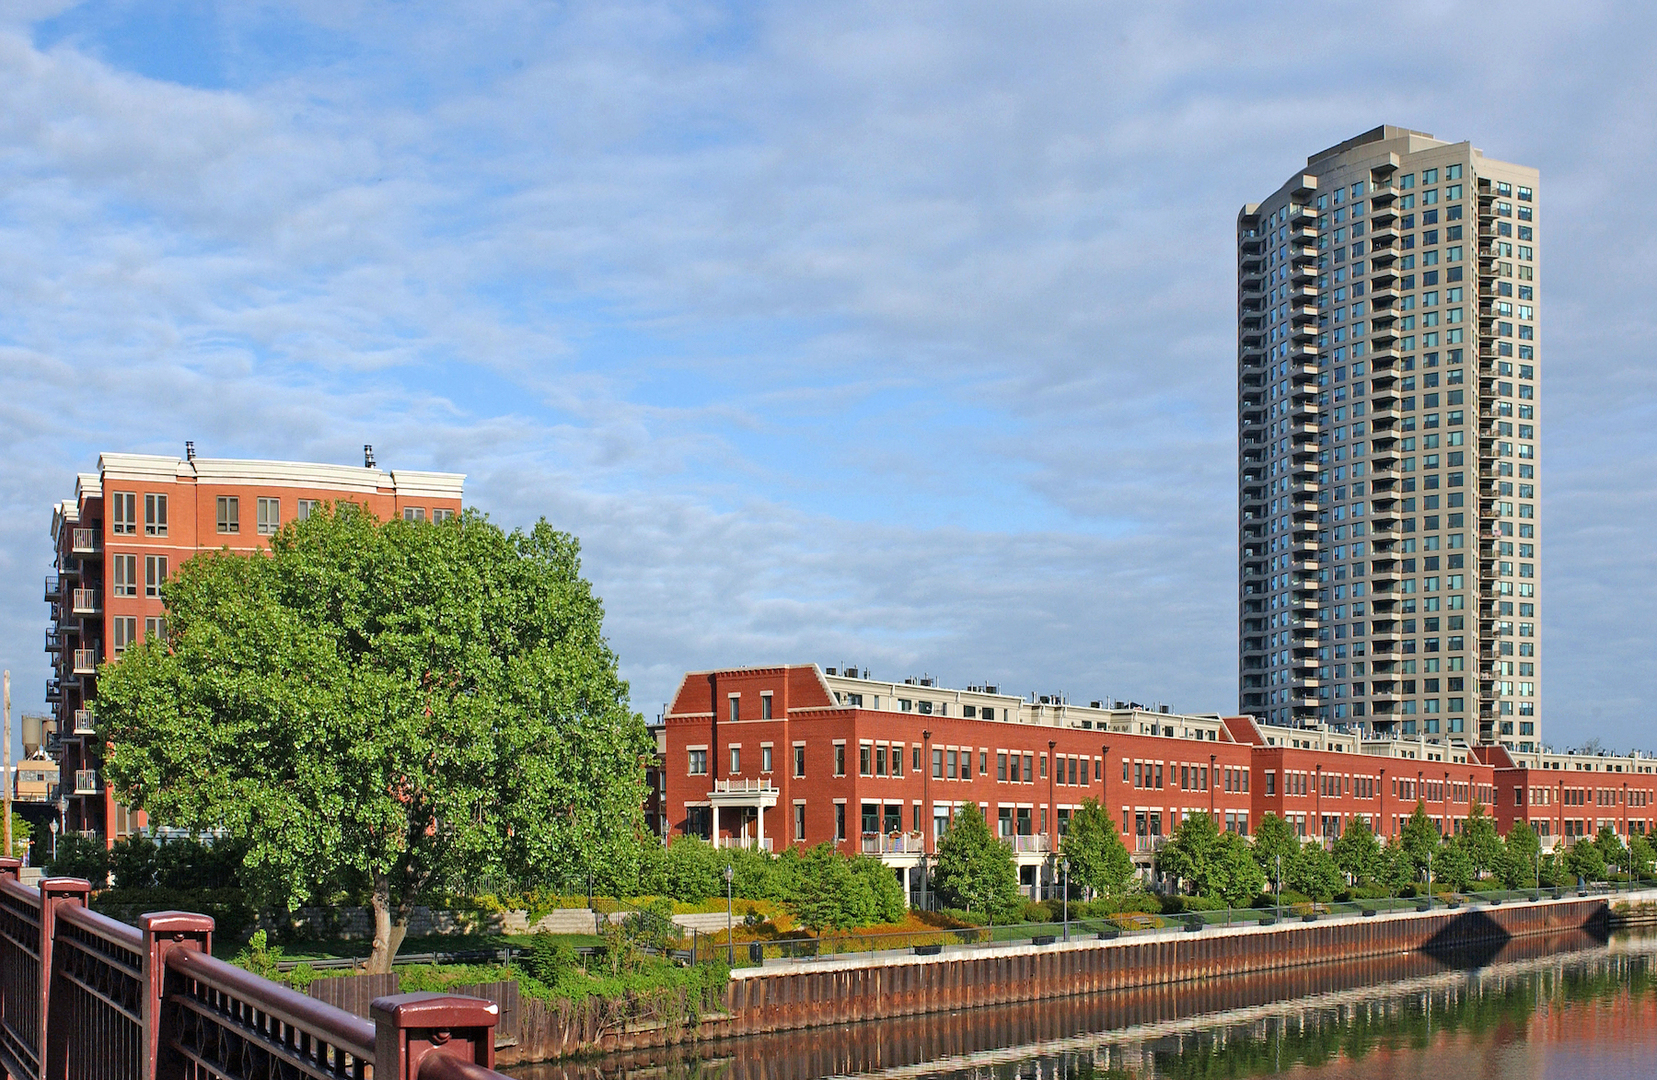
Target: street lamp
x=53, y=825
x=730, y=928
x=1064, y=867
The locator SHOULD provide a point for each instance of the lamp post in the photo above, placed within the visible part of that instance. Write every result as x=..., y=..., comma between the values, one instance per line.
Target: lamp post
x=1052, y=808
x=1279, y=886
x=730, y=928
x=1064, y=866
x=53, y=825
x=1429, y=881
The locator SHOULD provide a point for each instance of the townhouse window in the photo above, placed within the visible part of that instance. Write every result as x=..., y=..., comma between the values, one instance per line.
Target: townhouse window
x=765, y=706
x=839, y=821
x=1029, y=765
x=799, y=759
x=880, y=761
x=123, y=513
x=699, y=762
x=799, y=821
x=441, y=514
x=304, y=508
x=953, y=762
x=732, y=708
x=916, y=759
x=937, y=764
x=865, y=760
x=155, y=515
x=123, y=575
x=414, y=513
x=125, y=632
x=983, y=763
x=229, y=514
x=155, y=574
x=840, y=759
x=155, y=628
x=897, y=761
x=1044, y=766
x=269, y=512
x=1159, y=777
x=1001, y=765
x=736, y=760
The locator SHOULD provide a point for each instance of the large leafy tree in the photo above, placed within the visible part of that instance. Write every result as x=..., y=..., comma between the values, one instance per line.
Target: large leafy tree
x=1480, y=841
x=1099, y=861
x=385, y=707
x=1192, y=854
x=1640, y=855
x=1274, y=840
x=1517, y=864
x=1419, y=839
x=1357, y=852
x=1236, y=877
x=975, y=871
x=1313, y=871
x=1584, y=860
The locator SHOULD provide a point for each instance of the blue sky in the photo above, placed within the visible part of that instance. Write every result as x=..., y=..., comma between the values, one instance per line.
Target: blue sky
x=889, y=334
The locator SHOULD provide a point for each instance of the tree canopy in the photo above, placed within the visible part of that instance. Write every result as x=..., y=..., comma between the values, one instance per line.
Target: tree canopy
x=1098, y=859
x=387, y=708
x=975, y=871
x=1356, y=851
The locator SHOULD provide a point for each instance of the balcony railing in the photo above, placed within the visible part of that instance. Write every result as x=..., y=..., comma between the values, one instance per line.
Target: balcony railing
x=83, y=541
x=743, y=843
x=899, y=843
x=744, y=787
x=86, y=661
x=85, y=602
x=54, y=589
x=1022, y=842
x=86, y=782
x=83, y=722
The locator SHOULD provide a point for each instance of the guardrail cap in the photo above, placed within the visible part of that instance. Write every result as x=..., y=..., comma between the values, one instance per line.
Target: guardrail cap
x=434, y=1010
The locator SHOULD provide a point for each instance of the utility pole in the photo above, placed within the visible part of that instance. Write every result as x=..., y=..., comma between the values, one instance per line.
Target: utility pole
x=8, y=764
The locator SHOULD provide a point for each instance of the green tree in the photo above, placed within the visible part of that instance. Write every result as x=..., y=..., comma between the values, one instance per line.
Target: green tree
x=833, y=892
x=975, y=871
x=886, y=899
x=1419, y=839
x=1236, y=877
x=1274, y=839
x=1452, y=865
x=1480, y=841
x=1311, y=870
x=81, y=857
x=1357, y=853
x=1517, y=863
x=692, y=870
x=21, y=831
x=1611, y=848
x=1394, y=869
x=393, y=707
x=1099, y=861
x=1640, y=855
x=1584, y=860
x=1192, y=855
x=133, y=860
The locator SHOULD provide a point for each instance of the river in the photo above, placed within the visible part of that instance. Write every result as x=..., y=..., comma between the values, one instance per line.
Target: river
x=1568, y=1006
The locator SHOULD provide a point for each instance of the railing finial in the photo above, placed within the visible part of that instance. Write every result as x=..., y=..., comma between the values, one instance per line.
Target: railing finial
x=407, y=1027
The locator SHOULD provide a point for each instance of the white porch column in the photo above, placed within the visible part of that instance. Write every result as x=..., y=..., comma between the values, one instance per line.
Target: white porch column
x=761, y=841
x=715, y=836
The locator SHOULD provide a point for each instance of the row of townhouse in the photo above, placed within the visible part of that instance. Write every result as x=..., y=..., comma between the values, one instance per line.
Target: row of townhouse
x=773, y=756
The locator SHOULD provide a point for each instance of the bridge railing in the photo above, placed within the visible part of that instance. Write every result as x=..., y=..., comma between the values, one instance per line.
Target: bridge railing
x=84, y=997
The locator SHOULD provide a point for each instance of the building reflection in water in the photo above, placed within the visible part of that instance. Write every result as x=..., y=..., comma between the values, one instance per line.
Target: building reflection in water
x=1539, y=1004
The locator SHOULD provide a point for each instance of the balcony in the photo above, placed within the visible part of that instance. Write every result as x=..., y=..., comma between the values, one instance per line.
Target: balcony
x=86, y=661
x=54, y=589
x=85, y=602
x=54, y=691
x=734, y=843
x=54, y=640
x=1024, y=843
x=84, y=541
x=900, y=843
x=83, y=722
x=86, y=782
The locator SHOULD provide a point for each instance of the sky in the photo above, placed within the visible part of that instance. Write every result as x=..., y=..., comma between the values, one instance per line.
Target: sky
x=896, y=335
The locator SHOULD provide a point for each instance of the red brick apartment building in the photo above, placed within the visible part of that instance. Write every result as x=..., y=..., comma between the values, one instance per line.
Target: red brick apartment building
x=800, y=754
x=136, y=520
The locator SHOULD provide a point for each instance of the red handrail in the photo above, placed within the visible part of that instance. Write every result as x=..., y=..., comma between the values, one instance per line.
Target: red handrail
x=337, y=1027
x=101, y=925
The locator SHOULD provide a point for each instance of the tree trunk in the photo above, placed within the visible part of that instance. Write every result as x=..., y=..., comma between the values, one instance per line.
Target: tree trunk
x=390, y=927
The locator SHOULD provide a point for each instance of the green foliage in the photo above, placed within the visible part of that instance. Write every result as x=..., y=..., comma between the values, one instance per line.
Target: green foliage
x=1453, y=866
x=393, y=707
x=1274, y=839
x=1479, y=840
x=21, y=831
x=81, y=857
x=132, y=859
x=229, y=908
x=1516, y=864
x=1312, y=871
x=1356, y=851
x=1584, y=861
x=1191, y=852
x=259, y=956
x=1611, y=848
x=690, y=870
x=1419, y=839
x=1640, y=855
x=975, y=871
x=1394, y=869
x=652, y=926
x=833, y=892
x=1099, y=861
x=1237, y=878
x=549, y=957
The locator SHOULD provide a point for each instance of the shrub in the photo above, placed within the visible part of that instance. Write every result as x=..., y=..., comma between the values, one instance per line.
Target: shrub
x=81, y=857
x=549, y=957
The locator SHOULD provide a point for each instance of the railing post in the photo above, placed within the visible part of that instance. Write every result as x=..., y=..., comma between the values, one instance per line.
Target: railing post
x=54, y=1028
x=407, y=1027
x=10, y=867
x=165, y=931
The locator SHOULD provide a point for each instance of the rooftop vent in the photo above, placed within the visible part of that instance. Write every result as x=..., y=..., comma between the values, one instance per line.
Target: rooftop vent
x=991, y=689
x=1096, y=704
x=831, y=671
x=1162, y=708
x=189, y=450
x=367, y=455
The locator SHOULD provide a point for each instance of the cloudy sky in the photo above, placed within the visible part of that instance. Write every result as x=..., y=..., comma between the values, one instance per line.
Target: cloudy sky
x=895, y=334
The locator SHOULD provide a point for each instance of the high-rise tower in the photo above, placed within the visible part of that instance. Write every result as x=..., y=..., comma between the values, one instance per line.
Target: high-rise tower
x=1388, y=385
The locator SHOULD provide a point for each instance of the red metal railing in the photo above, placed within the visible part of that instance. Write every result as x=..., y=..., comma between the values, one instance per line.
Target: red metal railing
x=83, y=997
